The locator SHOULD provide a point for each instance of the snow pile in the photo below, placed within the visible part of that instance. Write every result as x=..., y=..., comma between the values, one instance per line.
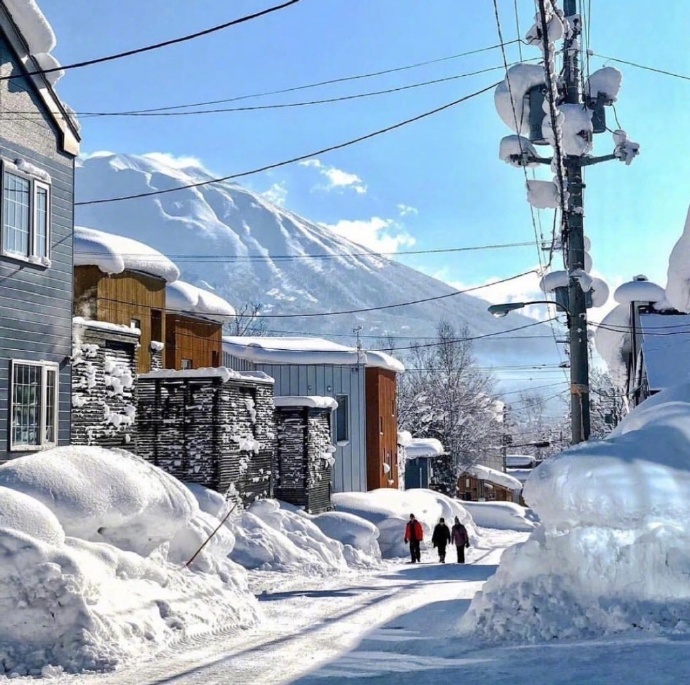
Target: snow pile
x=38, y=34
x=500, y=515
x=543, y=194
x=94, y=544
x=575, y=123
x=514, y=111
x=493, y=476
x=389, y=510
x=605, y=81
x=311, y=401
x=639, y=290
x=613, y=551
x=517, y=151
x=188, y=299
x=358, y=536
x=678, y=285
x=113, y=254
x=274, y=538
x=612, y=339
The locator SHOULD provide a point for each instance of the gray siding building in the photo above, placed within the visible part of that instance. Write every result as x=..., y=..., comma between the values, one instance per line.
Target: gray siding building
x=38, y=146
x=343, y=379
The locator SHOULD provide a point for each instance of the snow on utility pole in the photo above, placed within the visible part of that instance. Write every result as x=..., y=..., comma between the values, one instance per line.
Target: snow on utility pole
x=555, y=110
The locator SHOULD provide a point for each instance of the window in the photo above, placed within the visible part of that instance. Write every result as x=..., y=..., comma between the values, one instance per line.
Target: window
x=34, y=405
x=186, y=364
x=135, y=323
x=381, y=425
x=157, y=325
x=342, y=418
x=25, y=216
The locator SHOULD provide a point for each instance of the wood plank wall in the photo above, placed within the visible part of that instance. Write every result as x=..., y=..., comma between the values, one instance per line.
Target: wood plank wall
x=199, y=341
x=382, y=428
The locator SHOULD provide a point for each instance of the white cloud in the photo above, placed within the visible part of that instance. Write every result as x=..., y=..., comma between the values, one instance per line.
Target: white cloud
x=405, y=210
x=337, y=178
x=380, y=235
x=277, y=193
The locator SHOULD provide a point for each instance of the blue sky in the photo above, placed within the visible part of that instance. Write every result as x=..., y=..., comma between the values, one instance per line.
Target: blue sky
x=434, y=184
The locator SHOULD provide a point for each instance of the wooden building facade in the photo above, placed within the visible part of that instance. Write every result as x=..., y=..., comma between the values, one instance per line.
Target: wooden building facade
x=382, y=428
x=39, y=142
x=192, y=343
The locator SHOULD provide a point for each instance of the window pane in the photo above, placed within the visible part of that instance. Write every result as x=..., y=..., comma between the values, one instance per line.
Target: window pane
x=26, y=405
x=41, y=248
x=15, y=216
x=342, y=418
x=51, y=385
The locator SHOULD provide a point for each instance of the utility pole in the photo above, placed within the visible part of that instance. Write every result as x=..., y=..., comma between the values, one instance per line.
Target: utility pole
x=574, y=243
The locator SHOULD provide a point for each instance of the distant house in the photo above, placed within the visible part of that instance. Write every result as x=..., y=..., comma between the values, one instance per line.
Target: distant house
x=119, y=301
x=194, y=327
x=420, y=454
x=123, y=282
x=39, y=141
x=363, y=383
x=483, y=484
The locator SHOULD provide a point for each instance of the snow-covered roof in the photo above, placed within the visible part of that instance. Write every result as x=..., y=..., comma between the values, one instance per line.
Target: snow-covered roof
x=493, y=476
x=189, y=299
x=79, y=321
x=221, y=372
x=424, y=447
x=520, y=460
x=639, y=291
x=114, y=254
x=521, y=474
x=38, y=35
x=666, y=349
x=305, y=350
x=311, y=401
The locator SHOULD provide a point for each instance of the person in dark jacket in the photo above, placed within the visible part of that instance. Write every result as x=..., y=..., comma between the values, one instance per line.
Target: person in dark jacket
x=460, y=539
x=440, y=539
x=414, y=535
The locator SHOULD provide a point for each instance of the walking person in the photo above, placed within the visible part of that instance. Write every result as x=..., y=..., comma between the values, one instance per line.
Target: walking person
x=460, y=539
x=440, y=539
x=414, y=535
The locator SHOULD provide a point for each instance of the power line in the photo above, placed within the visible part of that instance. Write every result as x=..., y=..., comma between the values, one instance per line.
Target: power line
x=642, y=66
x=325, y=255
x=300, y=158
x=318, y=84
x=155, y=46
x=286, y=105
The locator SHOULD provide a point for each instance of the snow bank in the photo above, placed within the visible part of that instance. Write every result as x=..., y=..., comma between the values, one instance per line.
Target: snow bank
x=93, y=543
x=274, y=538
x=613, y=551
x=188, y=299
x=500, y=515
x=389, y=510
x=358, y=536
x=113, y=254
x=678, y=285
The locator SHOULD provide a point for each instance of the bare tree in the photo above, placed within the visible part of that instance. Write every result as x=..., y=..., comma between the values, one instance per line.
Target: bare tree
x=248, y=320
x=444, y=395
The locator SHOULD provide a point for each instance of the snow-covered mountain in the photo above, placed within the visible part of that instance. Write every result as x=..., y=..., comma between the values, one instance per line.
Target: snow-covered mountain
x=235, y=241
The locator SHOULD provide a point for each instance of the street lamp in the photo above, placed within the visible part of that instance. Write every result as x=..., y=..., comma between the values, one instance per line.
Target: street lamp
x=501, y=310
x=579, y=367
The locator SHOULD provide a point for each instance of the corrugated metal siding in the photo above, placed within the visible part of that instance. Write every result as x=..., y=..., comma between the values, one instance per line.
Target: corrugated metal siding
x=350, y=470
x=35, y=302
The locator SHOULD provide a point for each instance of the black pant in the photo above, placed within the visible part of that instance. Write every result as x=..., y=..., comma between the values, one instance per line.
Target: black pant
x=461, y=553
x=442, y=553
x=415, y=553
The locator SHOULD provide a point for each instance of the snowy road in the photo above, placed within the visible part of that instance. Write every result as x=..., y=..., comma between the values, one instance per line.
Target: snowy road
x=395, y=626
x=311, y=622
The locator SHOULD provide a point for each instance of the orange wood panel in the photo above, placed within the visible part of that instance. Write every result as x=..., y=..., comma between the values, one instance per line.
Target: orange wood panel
x=200, y=342
x=382, y=428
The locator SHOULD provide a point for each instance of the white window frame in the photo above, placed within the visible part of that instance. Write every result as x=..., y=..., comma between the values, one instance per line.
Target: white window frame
x=42, y=443
x=35, y=183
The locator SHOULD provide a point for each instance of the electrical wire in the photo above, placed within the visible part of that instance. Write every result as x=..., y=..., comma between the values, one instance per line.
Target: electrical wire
x=300, y=158
x=325, y=255
x=642, y=66
x=318, y=84
x=155, y=46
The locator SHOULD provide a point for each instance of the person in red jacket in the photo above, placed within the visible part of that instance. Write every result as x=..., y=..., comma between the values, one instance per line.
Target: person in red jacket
x=414, y=535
